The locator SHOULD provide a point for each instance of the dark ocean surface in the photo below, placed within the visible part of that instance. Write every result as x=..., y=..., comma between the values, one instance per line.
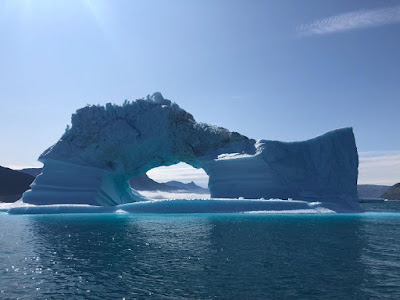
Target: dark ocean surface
x=202, y=256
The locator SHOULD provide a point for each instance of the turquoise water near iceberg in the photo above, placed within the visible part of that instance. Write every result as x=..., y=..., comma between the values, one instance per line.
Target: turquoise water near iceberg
x=202, y=256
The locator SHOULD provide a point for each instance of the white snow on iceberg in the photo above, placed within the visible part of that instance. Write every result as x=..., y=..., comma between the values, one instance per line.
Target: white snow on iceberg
x=107, y=145
x=178, y=206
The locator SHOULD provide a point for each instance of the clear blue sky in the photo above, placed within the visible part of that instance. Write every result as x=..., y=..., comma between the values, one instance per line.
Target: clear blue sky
x=286, y=70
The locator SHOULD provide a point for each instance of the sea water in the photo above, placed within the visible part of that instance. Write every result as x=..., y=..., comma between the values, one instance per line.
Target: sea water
x=202, y=256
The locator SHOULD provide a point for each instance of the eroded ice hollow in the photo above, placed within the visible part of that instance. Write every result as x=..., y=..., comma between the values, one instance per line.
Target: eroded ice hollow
x=107, y=145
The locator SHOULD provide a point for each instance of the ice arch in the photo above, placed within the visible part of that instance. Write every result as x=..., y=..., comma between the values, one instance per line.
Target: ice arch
x=107, y=145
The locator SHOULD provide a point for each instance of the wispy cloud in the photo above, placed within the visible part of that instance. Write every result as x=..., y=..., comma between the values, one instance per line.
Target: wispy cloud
x=24, y=166
x=350, y=21
x=381, y=167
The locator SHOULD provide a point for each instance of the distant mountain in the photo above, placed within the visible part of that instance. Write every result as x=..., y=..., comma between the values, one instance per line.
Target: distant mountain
x=371, y=190
x=187, y=187
x=32, y=171
x=13, y=184
x=393, y=193
x=144, y=183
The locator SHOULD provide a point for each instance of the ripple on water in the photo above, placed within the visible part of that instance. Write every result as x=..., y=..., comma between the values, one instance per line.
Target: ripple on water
x=200, y=256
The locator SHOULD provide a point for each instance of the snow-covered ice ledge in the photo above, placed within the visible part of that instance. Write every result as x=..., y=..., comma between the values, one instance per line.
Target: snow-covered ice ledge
x=107, y=145
x=177, y=206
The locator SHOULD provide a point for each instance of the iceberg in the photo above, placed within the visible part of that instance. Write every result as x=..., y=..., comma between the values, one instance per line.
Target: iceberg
x=106, y=146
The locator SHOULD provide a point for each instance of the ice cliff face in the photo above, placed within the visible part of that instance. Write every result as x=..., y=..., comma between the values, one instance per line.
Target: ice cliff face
x=107, y=145
x=321, y=169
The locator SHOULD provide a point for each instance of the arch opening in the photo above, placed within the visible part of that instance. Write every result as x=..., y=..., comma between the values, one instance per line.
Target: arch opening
x=178, y=181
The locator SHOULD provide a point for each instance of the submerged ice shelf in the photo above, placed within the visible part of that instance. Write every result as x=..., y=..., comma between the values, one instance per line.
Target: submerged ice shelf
x=93, y=161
